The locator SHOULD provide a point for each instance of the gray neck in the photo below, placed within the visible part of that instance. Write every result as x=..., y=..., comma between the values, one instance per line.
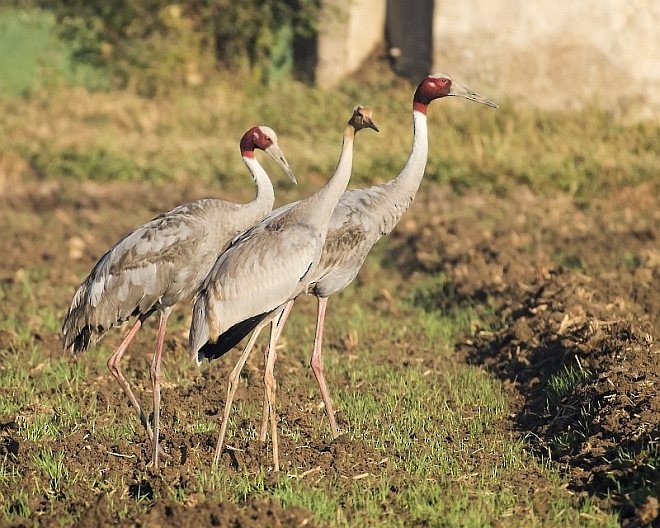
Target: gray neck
x=408, y=180
x=265, y=196
x=324, y=201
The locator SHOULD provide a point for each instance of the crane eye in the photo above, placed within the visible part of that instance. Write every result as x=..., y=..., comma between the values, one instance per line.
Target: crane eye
x=268, y=138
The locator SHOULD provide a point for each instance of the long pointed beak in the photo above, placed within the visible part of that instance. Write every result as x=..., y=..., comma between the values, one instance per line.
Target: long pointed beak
x=370, y=124
x=459, y=90
x=274, y=152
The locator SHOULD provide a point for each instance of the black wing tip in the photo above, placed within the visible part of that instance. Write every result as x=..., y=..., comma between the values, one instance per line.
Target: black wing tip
x=80, y=342
x=211, y=351
x=229, y=338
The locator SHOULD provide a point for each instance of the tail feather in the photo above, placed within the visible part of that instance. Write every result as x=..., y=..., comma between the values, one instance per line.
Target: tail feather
x=81, y=323
x=80, y=342
x=230, y=338
x=98, y=305
x=199, y=328
x=76, y=331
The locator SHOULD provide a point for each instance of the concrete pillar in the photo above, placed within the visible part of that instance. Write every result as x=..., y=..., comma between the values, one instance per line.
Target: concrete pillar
x=349, y=30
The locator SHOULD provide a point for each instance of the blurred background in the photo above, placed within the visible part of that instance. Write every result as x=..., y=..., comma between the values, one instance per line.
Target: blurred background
x=141, y=89
x=549, y=54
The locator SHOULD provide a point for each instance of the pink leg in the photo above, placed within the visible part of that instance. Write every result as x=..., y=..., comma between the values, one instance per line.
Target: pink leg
x=115, y=369
x=269, y=382
x=155, y=381
x=263, y=432
x=231, y=389
x=277, y=325
x=317, y=366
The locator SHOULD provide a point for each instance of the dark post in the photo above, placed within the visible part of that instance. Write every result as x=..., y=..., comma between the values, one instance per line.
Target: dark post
x=409, y=33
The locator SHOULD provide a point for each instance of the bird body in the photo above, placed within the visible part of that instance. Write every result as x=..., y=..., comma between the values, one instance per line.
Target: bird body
x=160, y=264
x=263, y=270
x=270, y=263
x=360, y=219
x=156, y=266
x=255, y=276
x=363, y=216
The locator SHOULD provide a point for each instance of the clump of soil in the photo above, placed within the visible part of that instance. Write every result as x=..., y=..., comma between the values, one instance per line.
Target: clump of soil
x=254, y=515
x=576, y=327
x=586, y=377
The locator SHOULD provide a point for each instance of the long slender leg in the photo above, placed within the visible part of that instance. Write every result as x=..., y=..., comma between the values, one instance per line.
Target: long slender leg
x=155, y=381
x=269, y=381
x=277, y=326
x=115, y=369
x=232, y=386
x=263, y=431
x=114, y=366
x=317, y=366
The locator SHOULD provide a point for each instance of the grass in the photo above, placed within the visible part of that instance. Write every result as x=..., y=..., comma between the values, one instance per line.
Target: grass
x=17, y=505
x=564, y=382
x=52, y=468
x=32, y=57
x=194, y=133
x=434, y=424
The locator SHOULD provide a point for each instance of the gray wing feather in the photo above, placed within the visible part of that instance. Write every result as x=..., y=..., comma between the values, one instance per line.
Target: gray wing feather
x=272, y=216
x=360, y=219
x=158, y=264
x=254, y=276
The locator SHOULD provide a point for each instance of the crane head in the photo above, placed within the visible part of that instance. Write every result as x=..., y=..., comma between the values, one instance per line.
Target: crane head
x=361, y=118
x=442, y=85
x=264, y=138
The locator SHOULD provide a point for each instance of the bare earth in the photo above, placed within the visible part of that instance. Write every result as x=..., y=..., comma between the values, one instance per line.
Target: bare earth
x=567, y=286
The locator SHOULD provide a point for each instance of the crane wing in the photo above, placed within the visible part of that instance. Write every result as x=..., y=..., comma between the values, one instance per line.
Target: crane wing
x=257, y=274
x=274, y=216
x=354, y=228
x=161, y=258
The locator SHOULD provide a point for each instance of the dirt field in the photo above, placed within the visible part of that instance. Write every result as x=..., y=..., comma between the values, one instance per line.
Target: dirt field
x=576, y=297
x=569, y=302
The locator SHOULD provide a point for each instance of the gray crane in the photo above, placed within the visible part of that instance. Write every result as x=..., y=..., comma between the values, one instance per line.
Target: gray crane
x=263, y=269
x=363, y=216
x=360, y=219
x=160, y=264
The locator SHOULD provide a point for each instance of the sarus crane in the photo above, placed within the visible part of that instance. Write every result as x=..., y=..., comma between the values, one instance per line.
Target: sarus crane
x=264, y=268
x=361, y=218
x=162, y=263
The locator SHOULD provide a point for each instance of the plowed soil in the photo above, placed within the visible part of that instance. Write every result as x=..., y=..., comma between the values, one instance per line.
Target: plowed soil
x=573, y=290
x=566, y=288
